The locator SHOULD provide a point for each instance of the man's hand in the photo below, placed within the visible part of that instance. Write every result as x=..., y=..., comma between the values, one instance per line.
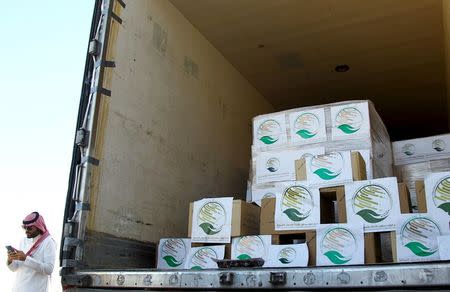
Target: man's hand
x=18, y=255
x=10, y=259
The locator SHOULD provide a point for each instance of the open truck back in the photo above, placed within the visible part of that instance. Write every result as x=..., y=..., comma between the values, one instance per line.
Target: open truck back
x=170, y=88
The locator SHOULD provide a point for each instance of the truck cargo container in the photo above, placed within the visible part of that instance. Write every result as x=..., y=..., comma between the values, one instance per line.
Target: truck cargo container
x=165, y=118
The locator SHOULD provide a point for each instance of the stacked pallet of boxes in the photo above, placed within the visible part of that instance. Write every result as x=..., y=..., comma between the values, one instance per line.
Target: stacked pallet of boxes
x=314, y=164
x=212, y=223
x=343, y=126
x=323, y=178
x=416, y=158
x=425, y=236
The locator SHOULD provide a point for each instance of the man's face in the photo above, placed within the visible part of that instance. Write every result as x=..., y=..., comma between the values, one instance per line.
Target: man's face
x=31, y=231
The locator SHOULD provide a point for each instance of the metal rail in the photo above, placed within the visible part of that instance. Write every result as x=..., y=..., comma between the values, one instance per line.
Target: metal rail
x=386, y=276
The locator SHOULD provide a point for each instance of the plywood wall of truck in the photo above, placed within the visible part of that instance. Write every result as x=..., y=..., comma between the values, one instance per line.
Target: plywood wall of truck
x=176, y=128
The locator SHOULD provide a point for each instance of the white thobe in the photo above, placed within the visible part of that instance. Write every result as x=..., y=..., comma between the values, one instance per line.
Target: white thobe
x=33, y=274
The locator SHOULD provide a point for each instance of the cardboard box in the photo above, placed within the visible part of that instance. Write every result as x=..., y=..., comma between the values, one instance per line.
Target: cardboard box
x=244, y=219
x=201, y=257
x=381, y=247
x=374, y=203
x=405, y=198
x=437, y=193
x=417, y=236
x=288, y=255
x=250, y=247
x=308, y=237
x=297, y=207
x=421, y=198
x=357, y=163
x=421, y=149
x=332, y=205
x=377, y=249
x=278, y=166
x=211, y=220
x=227, y=247
x=332, y=210
x=340, y=244
x=173, y=253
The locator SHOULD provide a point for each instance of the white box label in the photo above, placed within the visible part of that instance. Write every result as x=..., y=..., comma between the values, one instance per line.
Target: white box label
x=250, y=247
x=173, y=253
x=288, y=255
x=270, y=131
x=417, y=236
x=297, y=207
x=421, y=149
x=308, y=127
x=329, y=169
x=201, y=258
x=340, y=244
x=444, y=247
x=280, y=166
x=373, y=203
x=350, y=121
x=437, y=190
x=211, y=220
x=367, y=160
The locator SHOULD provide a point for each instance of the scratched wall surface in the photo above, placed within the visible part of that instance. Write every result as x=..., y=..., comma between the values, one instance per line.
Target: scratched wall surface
x=178, y=125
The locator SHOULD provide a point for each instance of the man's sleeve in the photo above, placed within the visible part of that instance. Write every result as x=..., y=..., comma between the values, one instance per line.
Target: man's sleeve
x=46, y=266
x=13, y=266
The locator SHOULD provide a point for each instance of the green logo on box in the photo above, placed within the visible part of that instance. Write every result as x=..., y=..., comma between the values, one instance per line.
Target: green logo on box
x=273, y=164
x=372, y=202
x=173, y=252
x=297, y=203
x=201, y=258
x=439, y=145
x=419, y=235
x=287, y=255
x=338, y=245
x=409, y=149
x=441, y=195
x=212, y=218
x=249, y=247
x=328, y=166
x=269, y=132
x=349, y=120
x=307, y=125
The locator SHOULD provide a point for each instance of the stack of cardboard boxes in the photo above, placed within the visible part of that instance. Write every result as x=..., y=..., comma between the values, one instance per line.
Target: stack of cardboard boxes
x=280, y=138
x=321, y=193
x=416, y=158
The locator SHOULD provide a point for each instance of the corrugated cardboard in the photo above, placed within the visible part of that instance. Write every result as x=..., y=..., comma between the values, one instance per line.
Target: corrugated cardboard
x=311, y=241
x=380, y=247
x=329, y=215
x=375, y=247
x=405, y=198
x=372, y=251
x=394, y=246
x=358, y=168
x=421, y=198
x=244, y=220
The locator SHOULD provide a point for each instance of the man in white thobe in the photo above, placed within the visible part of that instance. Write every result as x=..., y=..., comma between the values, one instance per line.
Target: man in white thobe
x=34, y=259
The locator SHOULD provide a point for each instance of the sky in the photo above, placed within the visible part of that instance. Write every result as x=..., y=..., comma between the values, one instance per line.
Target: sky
x=42, y=56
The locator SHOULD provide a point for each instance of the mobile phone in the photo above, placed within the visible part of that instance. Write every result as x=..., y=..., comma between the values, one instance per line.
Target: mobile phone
x=10, y=248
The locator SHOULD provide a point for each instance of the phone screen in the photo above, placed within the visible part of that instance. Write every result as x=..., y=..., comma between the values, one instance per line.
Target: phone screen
x=10, y=248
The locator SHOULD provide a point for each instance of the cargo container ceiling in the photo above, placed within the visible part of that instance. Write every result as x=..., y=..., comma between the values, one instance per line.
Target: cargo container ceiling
x=288, y=49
